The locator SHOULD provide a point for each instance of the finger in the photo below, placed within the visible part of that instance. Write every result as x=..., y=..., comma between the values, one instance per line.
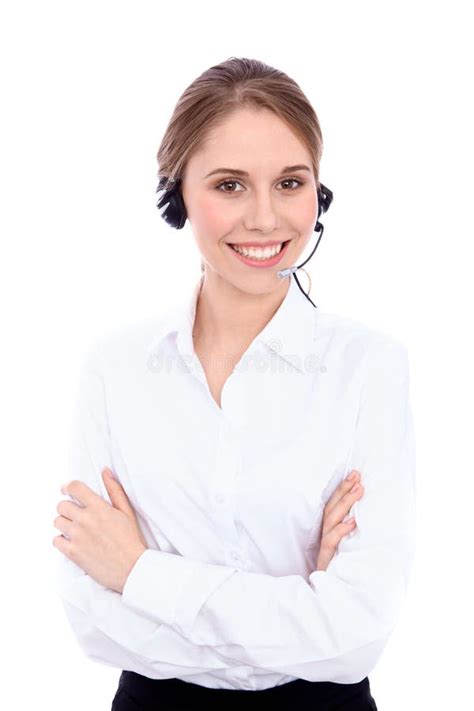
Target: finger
x=68, y=508
x=63, y=524
x=121, y=501
x=62, y=544
x=81, y=492
x=345, y=486
x=331, y=540
x=330, y=543
x=342, y=508
x=116, y=491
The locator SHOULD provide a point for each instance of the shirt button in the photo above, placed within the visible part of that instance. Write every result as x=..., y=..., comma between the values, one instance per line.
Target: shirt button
x=235, y=555
x=220, y=498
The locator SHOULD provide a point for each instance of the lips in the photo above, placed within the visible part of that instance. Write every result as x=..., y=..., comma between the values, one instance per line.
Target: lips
x=260, y=263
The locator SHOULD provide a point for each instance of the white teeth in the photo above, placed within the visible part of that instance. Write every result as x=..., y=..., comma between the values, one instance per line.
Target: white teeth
x=257, y=252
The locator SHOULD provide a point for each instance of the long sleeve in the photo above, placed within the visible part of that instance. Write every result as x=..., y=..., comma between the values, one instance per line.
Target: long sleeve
x=334, y=626
x=106, y=629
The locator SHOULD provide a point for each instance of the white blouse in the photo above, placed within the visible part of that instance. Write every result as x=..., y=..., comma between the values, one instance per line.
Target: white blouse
x=230, y=499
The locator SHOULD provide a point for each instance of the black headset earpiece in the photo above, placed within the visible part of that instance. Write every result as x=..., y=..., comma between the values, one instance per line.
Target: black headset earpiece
x=173, y=210
x=171, y=203
x=324, y=200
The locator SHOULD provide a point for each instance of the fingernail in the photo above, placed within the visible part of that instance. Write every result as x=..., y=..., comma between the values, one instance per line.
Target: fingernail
x=108, y=473
x=352, y=475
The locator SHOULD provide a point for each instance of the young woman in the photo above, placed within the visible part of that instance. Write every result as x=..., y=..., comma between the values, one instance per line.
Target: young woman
x=216, y=564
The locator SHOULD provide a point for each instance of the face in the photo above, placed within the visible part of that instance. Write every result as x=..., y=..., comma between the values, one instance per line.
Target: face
x=266, y=205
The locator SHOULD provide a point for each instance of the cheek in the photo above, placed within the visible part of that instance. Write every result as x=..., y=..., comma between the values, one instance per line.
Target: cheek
x=211, y=218
x=307, y=216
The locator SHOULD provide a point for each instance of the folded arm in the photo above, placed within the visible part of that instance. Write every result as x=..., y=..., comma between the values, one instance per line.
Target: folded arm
x=334, y=626
x=181, y=616
x=106, y=629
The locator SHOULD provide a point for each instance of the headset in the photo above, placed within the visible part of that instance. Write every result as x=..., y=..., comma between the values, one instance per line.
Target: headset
x=173, y=211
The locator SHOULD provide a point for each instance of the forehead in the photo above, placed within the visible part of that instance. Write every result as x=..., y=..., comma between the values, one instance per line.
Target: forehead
x=250, y=140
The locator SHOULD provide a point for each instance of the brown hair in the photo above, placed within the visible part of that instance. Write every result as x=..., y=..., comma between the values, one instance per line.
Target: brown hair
x=236, y=83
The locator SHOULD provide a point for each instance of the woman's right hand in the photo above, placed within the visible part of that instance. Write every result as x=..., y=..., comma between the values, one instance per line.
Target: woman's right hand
x=334, y=528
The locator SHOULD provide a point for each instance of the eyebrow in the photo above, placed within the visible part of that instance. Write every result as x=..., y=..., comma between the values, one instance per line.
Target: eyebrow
x=237, y=171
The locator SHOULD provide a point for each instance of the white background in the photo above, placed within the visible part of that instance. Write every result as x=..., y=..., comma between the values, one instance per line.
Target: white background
x=87, y=89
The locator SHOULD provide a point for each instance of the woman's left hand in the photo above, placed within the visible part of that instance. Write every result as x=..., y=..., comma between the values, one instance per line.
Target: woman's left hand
x=104, y=540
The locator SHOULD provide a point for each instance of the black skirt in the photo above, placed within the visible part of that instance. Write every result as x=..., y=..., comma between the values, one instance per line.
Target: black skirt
x=140, y=693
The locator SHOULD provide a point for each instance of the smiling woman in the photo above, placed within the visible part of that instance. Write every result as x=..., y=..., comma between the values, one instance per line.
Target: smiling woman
x=220, y=93
x=255, y=208
x=259, y=199
x=247, y=575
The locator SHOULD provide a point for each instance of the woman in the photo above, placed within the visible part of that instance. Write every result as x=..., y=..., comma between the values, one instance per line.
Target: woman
x=206, y=550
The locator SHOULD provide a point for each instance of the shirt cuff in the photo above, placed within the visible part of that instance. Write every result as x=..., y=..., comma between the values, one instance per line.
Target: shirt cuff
x=170, y=589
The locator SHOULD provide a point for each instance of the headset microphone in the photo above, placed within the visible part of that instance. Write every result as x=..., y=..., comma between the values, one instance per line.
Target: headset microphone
x=173, y=211
x=324, y=200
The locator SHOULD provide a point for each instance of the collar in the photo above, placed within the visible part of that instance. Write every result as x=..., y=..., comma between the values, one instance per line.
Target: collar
x=295, y=332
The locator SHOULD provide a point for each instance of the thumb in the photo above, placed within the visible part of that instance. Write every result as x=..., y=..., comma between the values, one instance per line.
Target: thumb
x=116, y=492
x=120, y=500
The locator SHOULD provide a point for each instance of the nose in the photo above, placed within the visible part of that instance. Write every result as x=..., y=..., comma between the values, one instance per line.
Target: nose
x=261, y=214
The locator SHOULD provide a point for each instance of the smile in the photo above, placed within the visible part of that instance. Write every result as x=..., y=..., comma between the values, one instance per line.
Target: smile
x=257, y=257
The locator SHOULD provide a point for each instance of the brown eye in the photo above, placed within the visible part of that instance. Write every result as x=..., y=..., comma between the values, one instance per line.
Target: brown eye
x=227, y=182
x=292, y=180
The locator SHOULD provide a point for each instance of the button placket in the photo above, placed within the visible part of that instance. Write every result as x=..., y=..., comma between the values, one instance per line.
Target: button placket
x=223, y=486
x=238, y=553
x=222, y=483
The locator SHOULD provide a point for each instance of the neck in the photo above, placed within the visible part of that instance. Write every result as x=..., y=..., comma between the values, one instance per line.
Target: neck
x=226, y=314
